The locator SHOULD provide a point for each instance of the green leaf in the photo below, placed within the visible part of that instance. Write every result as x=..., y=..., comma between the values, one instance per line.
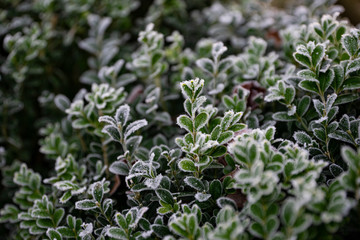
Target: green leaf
x=10, y=213
x=215, y=189
x=163, y=210
x=350, y=157
x=225, y=137
x=257, y=230
x=309, y=85
x=160, y=230
x=227, y=119
x=237, y=127
x=156, y=56
x=80, y=123
x=215, y=133
x=257, y=211
x=98, y=191
x=346, y=98
x=71, y=221
x=202, y=197
x=341, y=136
x=302, y=59
x=303, y=105
x=302, y=138
x=224, y=201
x=225, y=64
x=353, y=66
x=66, y=232
x=195, y=183
x=62, y=102
x=35, y=230
x=116, y=233
x=113, y=132
x=283, y=116
x=289, y=94
x=134, y=126
x=344, y=122
x=178, y=229
x=204, y=162
x=338, y=78
x=201, y=120
x=186, y=90
x=58, y=216
x=340, y=32
x=219, y=151
x=335, y=170
x=317, y=55
x=326, y=79
x=230, y=160
x=319, y=106
x=121, y=221
x=270, y=133
x=350, y=44
x=133, y=142
x=206, y=65
x=288, y=213
x=119, y=168
x=165, y=196
x=320, y=134
x=38, y=213
x=307, y=74
x=53, y=234
x=122, y=114
x=44, y=223
x=228, y=102
x=85, y=204
x=272, y=224
x=351, y=83
x=252, y=154
x=65, y=197
x=185, y=123
x=188, y=106
x=192, y=225
x=187, y=165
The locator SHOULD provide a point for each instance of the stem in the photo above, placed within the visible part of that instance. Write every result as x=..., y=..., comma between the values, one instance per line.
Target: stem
x=215, y=74
x=3, y=126
x=82, y=142
x=103, y=213
x=327, y=140
x=105, y=156
x=302, y=122
x=104, y=150
x=162, y=102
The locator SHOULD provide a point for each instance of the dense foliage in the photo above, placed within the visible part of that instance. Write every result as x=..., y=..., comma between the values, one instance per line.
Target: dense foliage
x=171, y=119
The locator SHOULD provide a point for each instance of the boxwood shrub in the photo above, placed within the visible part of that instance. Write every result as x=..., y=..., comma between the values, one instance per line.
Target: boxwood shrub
x=179, y=119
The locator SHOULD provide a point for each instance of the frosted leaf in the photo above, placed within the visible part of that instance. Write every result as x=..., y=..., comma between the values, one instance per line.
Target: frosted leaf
x=322, y=119
x=88, y=229
x=218, y=49
x=302, y=138
x=139, y=214
x=122, y=114
x=107, y=119
x=78, y=191
x=202, y=197
x=62, y=102
x=134, y=126
x=292, y=110
x=219, y=88
x=154, y=183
